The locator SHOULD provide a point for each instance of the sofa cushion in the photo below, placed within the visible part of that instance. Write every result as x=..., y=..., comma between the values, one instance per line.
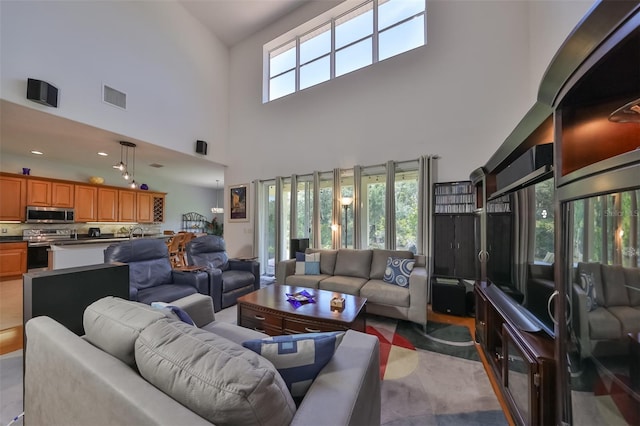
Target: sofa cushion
x=233, y=279
x=307, y=264
x=164, y=293
x=398, y=271
x=615, y=292
x=341, y=284
x=309, y=281
x=603, y=325
x=379, y=261
x=353, y=263
x=594, y=268
x=298, y=358
x=379, y=292
x=173, y=311
x=327, y=260
x=632, y=279
x=113, y=325
x=629, y=318
x=214, y=377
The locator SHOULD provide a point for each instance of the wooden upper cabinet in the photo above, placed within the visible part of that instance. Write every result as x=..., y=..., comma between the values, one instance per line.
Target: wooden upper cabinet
x=107, y=205
x=46, y=193
x=62, y=194
x=86, y=203
x=126, y=206
x=13, y=198
x=144, y=207
x=39, y=193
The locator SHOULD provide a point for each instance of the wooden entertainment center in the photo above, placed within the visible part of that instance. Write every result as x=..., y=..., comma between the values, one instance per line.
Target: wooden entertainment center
x=520, y=354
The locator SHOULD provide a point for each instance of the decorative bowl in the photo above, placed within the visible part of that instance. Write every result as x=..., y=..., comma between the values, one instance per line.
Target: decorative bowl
x=144, y=186
x=96, y=180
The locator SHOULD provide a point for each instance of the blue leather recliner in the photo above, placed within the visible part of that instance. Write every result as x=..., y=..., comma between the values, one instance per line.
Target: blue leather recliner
x=151, y=278
x=228, y=278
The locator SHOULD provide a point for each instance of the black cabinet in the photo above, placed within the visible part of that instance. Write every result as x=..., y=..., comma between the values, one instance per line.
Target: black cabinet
x=499, y=247
x=455, y=253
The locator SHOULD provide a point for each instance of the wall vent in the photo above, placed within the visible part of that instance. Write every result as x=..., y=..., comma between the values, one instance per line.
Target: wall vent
x=156, y=165
x=114, y=97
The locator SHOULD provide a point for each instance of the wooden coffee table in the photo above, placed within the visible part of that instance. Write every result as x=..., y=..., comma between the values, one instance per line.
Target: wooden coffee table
x=268, y=310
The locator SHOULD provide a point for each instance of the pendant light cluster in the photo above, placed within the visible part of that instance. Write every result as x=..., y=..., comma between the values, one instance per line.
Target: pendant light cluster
x=123, y=165
x=216, y=209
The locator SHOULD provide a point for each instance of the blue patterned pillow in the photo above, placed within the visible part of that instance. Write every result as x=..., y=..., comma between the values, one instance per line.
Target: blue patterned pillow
x=298, y=357
x=588, y=285
x=398, y=271
x=307, y=264
x=173, y=311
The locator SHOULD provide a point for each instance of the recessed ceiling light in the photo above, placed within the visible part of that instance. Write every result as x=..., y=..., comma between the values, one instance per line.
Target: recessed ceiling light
x=104, y=154
x=37, y=152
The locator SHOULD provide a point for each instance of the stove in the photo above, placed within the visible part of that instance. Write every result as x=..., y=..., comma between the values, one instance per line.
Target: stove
x=44, y=237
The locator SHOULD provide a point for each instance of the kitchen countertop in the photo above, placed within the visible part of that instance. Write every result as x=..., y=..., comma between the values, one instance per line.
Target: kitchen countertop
x=100, y=240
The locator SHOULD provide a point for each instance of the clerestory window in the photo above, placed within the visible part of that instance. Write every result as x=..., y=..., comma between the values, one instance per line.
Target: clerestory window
x=343, y=40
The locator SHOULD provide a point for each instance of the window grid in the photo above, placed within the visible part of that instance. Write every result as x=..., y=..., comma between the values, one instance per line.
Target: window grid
x=375, y=46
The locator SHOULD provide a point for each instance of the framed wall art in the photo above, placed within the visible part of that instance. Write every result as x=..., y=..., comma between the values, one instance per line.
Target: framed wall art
x=239, y=203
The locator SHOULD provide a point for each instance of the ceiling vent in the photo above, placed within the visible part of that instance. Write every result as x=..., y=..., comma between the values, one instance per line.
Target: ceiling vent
x=114, y=97
x=156, y=165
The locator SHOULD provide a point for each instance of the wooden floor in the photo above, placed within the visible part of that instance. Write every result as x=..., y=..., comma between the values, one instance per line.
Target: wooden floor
x=11, y=329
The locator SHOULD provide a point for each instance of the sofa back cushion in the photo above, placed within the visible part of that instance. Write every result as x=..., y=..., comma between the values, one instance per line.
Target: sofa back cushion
x=353, y=263
x=632, y=278
x=379, y=261
x=113, y=325
x=327, y=260
x=613, y=281
x=214, y=377
x=594, y=269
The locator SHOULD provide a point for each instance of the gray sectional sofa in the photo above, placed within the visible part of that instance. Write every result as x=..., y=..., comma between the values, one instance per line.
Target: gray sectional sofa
x=137, y=365
x=603, y=329
x=360, y=273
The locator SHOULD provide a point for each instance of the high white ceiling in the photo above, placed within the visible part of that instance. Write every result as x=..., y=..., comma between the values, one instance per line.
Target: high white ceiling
x=70, y=142
x=234, y=20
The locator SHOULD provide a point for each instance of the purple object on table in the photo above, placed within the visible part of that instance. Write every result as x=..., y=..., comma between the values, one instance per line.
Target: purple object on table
x=295, y=299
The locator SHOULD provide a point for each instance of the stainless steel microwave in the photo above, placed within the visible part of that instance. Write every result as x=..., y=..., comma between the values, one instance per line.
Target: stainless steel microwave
x=49, y=215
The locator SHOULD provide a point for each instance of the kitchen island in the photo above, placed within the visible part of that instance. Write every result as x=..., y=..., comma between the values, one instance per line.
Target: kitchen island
x=83, y=251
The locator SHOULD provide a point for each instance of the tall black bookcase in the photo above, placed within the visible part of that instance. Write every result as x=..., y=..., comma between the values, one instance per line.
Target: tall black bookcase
x=455, y=223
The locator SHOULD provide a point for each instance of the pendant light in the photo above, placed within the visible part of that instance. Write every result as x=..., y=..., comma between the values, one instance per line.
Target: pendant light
x=216, y=209
x=123, y=165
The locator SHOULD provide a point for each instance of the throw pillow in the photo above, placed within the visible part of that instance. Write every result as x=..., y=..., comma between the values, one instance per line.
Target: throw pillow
x=588, y=285
x=307, y=264
x=216, y=378
x=174, y=312
x=398, y=271
x=299, y=357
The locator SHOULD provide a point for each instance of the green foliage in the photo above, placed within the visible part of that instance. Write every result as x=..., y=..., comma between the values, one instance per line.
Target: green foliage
x=214, y=227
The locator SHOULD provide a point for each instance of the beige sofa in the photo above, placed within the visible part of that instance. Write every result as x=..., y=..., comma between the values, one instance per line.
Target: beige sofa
x=114, y=374
x=360, y=273
x=604, y=329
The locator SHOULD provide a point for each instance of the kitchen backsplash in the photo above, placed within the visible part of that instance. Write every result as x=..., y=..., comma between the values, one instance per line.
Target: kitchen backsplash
x=15, y=229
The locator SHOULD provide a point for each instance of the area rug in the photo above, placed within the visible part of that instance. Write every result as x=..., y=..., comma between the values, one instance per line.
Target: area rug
x=432, y=379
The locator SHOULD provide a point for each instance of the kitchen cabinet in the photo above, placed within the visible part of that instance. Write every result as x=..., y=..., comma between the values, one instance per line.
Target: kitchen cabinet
x=107, y=205
x=13, y=259
x=144, y=207
x=13, y=198
x=150, y=207
x=86, y=205
x=126, y=206
x=47, y=193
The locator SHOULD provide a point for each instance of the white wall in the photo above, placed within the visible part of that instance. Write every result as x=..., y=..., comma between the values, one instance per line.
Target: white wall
x=180, y=198
x=174, y=71
x=457, y=97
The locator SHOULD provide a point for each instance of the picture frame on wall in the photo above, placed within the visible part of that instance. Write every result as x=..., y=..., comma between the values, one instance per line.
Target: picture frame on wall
x=239, y=203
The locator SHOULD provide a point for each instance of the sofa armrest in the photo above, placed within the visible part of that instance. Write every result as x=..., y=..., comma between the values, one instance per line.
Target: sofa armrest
x=580, y=319
x=284, y=269
x=197, y=279
x=418, y=295
x=347, y=389
x=68, y=381
x=250, y=266
x=199, y=307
